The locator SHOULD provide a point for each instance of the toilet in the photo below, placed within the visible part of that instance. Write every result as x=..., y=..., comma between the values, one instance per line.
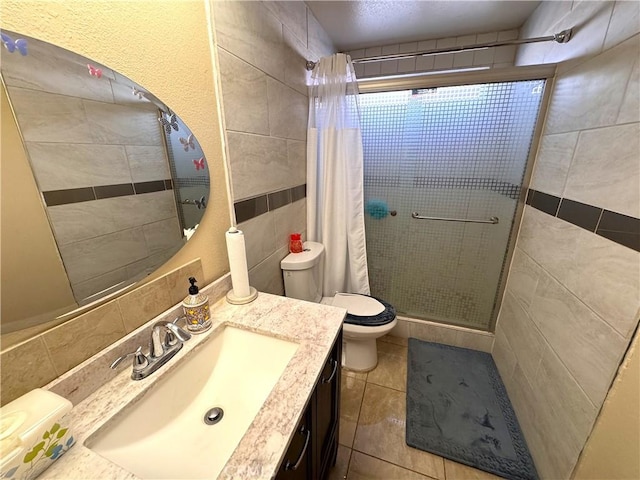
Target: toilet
x=367, y=318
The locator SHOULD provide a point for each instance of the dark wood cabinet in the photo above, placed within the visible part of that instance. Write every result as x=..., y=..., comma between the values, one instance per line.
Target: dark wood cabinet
x=314, y=447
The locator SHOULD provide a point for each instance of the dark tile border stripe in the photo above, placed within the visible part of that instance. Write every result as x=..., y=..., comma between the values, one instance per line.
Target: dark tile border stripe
x=87, y=194
x=109, y=191
x=253, y=207
x=616, y=227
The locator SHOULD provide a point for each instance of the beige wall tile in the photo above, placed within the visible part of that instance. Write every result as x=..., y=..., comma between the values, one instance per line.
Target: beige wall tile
x=267, y=275
x=503, y=355
x=317, y=39
x=630, y=110
x=250, y=31
x=297, y=160
x=290, y=219
x=162, y=235
x=260, y=237
x=107, y=252
x=523, y=277
x=506, y=54
x=463, y=59
x=292, y=15
x=568, y=416
x=147, y=163
x=66, y=73
x=588, y=346
x=590, y=95
x=553, y=161
x=178, y=280
x=406, y=65
x=624, y=23
x=59, y=166
x=522, y=334
x=475, y=341
x=73, y=342
x=45, y=117
x=590, y=21
x=74, y=222
x=525, y=404
x=123, y=124
x=424, y=64
x=244, y=93
x=593, y=268
x=432, y=333
x=144, y=303
x=149, y=264
x=296, y=54
x=401, y=330
x=389, y=67
x=605, y=170
x=288, y=111
x=258, y=164
x=97, y=284
x=24, y=367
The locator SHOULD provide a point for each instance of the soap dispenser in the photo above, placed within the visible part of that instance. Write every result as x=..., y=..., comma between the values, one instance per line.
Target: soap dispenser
x=196, y=309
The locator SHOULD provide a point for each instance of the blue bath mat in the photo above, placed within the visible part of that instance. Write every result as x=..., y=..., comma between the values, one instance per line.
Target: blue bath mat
x=457, y=407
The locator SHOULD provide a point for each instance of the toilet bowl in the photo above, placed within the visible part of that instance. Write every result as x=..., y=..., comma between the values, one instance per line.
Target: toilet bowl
x=368, y=318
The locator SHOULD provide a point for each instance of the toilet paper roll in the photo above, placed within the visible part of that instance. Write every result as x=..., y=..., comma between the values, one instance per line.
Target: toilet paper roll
x=238, y=262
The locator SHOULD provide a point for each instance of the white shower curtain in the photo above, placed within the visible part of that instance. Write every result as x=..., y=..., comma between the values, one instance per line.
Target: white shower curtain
x=335, y=203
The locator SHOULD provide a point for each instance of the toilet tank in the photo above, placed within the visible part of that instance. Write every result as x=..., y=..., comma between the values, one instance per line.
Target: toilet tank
x=303, y=271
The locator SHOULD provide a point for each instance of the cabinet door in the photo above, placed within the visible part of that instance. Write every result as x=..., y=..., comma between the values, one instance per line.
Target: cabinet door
x=328, y=410
x=297, y=464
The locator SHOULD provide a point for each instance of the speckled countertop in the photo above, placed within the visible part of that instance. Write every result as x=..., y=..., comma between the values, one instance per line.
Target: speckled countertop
x=313, y=326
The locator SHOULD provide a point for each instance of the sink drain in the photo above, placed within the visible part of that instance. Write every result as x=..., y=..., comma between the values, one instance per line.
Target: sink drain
x=213, y=416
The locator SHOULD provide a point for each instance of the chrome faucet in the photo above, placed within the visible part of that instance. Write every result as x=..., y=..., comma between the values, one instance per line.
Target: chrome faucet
x=161, y=350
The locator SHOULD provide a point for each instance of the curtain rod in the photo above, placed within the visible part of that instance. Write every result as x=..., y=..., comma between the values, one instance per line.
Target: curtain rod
x=562, y=37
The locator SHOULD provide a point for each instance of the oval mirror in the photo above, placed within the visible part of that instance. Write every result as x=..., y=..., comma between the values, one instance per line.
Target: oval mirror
x=101, y=184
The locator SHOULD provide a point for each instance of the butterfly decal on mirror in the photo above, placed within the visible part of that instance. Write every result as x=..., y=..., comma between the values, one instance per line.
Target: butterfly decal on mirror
x=172, y=122
x=137, y=93
x=199, y=163
x=93, y=71
x=12, y=45
x=188, y=143
x=200, y=204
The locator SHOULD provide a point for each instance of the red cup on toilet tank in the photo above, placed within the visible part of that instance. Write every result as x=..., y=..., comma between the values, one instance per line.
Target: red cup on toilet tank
x=295, y=243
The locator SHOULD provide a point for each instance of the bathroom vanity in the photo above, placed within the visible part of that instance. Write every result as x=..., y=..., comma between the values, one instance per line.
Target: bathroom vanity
x=122, y=425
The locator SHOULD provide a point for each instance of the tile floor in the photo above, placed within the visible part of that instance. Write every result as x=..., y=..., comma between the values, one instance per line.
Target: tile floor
x=372, y=426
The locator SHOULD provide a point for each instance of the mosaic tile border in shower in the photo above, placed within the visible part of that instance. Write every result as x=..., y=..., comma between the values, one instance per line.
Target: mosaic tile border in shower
x=253, y=207
x=622, y=229
x=87, y=194
x=192, y=182
x=504, y=188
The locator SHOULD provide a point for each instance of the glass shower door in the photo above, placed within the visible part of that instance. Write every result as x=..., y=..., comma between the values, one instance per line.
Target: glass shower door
x=456, y=153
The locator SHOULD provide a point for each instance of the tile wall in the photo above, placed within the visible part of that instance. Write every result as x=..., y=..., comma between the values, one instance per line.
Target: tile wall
x=497, y=57
x=39, y=360
x=261, y=49
x=572, y=298
x=98, y=156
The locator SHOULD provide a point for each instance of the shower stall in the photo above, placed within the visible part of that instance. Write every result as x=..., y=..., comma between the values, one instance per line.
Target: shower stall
x=450, y=162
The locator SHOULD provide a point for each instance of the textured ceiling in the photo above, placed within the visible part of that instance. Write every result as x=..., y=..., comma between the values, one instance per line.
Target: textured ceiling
x=366, y=23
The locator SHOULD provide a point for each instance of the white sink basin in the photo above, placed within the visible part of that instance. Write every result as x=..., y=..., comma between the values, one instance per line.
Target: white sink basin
x=164, y=434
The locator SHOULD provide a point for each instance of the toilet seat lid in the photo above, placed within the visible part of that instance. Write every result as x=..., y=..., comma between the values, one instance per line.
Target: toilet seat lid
x=360, y=305
x=365, y=310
